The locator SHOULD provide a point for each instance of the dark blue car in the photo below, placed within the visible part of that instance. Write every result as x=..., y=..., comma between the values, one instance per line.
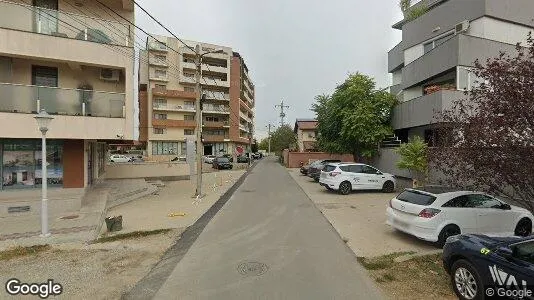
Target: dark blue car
x=482, y=266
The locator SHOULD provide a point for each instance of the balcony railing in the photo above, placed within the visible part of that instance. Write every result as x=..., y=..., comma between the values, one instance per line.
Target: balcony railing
x=58, y=23
x=214, y=137
x=217, y=95
x=215, y=124
x=214, y=108
x=171, y=107
x=187, y=79
x=18, y=98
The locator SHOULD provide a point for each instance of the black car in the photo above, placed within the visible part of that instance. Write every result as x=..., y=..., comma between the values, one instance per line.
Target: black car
x=304, y=169
x=482, y=266
x=242, y=159
x=222, y=162
x=315, y=170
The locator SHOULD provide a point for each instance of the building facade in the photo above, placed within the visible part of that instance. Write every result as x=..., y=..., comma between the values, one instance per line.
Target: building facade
x=167, y=99
x=431, y=65
x=306, y=131
x=75, y=61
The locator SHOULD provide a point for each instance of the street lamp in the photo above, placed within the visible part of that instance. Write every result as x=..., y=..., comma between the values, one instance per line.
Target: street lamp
x=200, y=148
x=43, y=121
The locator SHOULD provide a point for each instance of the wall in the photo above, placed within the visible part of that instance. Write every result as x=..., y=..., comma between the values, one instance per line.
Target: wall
x=386, y=161
x=412, y=93
x=143, y=116
x=413, y=53
x=497, y=30
x=73, y=163
x=168, y=170
x=293, y=159
x=235, y=92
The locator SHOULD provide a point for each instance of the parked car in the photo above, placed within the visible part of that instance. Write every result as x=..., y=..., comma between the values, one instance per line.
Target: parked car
x=304, y=169
x=119, y=158
x=222, y=162
x=242, y=159
x=478, y=264
x=346, y=177
x=434, y=214
x=230, y=158
x=257, y=155
x=208, y=158
x=315, y=170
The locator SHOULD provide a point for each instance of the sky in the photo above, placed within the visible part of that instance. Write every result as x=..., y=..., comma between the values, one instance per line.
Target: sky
x=294, y=49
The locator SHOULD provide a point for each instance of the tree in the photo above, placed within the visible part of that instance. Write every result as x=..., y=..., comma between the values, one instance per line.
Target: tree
x=414, y=159
x=264, y=144
x=486, y=142
x=412, y=13
x=283, y=138
x=254, y=147
x=355, y=118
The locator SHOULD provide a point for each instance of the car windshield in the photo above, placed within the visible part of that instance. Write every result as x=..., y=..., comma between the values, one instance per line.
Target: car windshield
x=223, y=159
x=329, y=168
x=416, y=197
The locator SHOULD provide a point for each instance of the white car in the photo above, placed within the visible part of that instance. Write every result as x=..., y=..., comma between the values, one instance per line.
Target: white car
x=434, y=214
x=208, y=158
x=346, y=177
x=119, y=158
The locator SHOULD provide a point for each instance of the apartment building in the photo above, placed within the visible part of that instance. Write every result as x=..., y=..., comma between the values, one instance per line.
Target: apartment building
x=306, y=131
x=431, y=65
x=167, y=99
x=75, y=61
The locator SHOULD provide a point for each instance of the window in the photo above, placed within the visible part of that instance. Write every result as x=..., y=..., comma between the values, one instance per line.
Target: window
x=160, y=130
x=483, y=201
x=212, y=119
x=457, y=202
x=369, y=170
x=311, y=134
x=189, y=132
x=160, y=101
x=189, y=103
x=189, y=89
x=415, y=197
x=329, y=168
x=160, y=116
x=355, y=168
x=524, y=251
x=44, y=76
x=160, y=58
x=161, y=86
x=167, y=148
x=160, y=73
x=189, y=117
x=189, y=74
x=436, y=42
x=345, y=168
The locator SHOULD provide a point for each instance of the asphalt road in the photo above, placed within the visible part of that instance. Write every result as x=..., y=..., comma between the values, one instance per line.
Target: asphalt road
x=268, y=241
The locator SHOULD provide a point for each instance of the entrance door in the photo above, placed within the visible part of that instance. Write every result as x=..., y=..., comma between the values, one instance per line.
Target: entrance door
x=208, y=149
x=45, y=16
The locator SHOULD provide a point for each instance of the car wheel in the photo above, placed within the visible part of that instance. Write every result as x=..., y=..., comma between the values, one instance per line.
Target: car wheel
x=447, y=231
x=466, y=281
x=345, y=188
x=523, y=228
x=388, y=187
x=329, y=188
x=316, y=179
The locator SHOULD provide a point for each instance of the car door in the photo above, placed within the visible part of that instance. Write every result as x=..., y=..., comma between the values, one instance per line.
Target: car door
x=373, y=177
x=492, y=219
x=515, y=272
x=459, y=211
x=356, y=177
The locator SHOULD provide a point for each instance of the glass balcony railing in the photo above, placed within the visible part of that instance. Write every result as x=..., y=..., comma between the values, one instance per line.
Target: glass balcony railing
x=216, y=95
x=58, y=23
x=216, y=108
x=176, y=107
x=17, y=98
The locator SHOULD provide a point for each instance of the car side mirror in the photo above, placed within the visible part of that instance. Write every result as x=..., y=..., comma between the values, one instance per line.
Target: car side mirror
x=506, y=252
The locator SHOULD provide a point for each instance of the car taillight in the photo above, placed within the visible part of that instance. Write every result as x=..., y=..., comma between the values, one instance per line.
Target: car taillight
x=334, y=174
x=429, y=213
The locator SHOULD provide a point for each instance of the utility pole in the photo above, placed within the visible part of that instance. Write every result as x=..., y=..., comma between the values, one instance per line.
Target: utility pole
x=249, y=143
x=198, y=108
x=282, y=113
x=269, y=139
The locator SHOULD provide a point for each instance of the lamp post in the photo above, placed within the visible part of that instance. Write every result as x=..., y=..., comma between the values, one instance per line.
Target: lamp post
x=198, y=109
x=43, y=121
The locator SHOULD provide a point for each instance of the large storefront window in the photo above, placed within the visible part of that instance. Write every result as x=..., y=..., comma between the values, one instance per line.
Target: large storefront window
x=167, y=148
x=21, y=163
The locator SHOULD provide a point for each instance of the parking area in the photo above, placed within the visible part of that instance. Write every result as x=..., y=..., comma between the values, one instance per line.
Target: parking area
x=360, y=219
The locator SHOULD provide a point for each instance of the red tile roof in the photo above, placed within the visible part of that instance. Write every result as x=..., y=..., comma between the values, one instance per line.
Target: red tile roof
x=306, y=125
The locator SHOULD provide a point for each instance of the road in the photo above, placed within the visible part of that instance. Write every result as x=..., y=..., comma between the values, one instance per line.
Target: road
x=268, y=242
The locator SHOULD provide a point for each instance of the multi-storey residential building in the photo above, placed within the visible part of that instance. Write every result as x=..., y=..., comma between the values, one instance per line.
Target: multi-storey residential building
x=167, y=99
x=306, y=131
x=75, y=61
x=431, y=65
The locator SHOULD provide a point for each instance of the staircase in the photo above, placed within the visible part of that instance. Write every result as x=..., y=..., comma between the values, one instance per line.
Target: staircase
x=391, y=141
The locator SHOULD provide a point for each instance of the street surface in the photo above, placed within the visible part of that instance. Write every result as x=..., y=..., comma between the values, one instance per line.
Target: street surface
x=268, y=242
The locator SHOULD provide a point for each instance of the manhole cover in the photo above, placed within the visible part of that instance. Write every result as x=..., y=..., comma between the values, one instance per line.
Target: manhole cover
x=252, y=268
x=69, y=217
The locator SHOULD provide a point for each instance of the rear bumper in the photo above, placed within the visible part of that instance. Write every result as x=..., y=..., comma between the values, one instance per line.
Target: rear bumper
x=412, y=227
x=329, y=183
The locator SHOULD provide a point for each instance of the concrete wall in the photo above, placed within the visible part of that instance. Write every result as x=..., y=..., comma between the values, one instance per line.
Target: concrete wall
x=386, y=161
x=395, y=57
x=293, y=159
x=498, y=30
x=168, y=170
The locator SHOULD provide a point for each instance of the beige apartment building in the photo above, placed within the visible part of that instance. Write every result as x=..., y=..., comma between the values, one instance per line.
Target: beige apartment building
x=306, y=131
x=74, y=60
x=167, y=99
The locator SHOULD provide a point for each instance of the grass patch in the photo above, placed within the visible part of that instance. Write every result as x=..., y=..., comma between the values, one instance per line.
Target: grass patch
x=20, y=251
x=421, y=277
x=381, y=262
x=130, y=235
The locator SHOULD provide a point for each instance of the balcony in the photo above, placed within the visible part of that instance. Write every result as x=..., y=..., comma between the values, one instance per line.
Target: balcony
x=249, y=89
x=172, y=107
x=211, y=124
x=158, y=77
x=215, y=138
x=212, y=68
x=17, y=98
x=421, y=111
x=243, y=128
x=158, y=62
x=188, y=65
x=395, y=58
x=173, y=94
x=216, y=109
x=157, y=46
x=248, y=103
x=187, y=79
x=61, y=24
x=211, y=95
x=244, y=117
x=215, y=82
x=174, y=123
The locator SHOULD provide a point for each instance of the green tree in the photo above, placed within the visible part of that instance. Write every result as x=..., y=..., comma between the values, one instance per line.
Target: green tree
x=283, y=138
x=412, y=12
x=254, y=146
x=414, y=158
x=264, y=144
x=355, y=118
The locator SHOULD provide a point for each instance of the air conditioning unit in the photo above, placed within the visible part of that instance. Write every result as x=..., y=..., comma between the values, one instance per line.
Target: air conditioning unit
x=109, y=74
x=461, y=27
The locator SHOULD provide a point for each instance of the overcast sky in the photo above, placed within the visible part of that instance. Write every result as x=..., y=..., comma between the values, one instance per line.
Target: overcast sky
x=294, y=49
